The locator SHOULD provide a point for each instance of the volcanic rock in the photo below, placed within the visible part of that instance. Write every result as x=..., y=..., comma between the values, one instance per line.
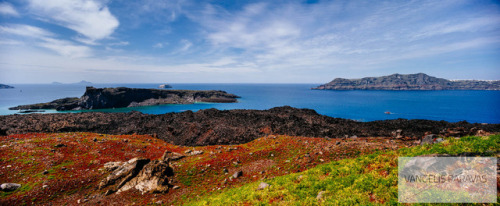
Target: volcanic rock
x=217, y=127
x=138, y=173
x=429, y=139
x=262, y=186
x=237, y=174
x=7, y=187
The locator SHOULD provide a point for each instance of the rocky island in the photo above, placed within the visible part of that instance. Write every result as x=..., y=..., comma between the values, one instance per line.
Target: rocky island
x=4, y=86
x=104, y=98
x=418, y=81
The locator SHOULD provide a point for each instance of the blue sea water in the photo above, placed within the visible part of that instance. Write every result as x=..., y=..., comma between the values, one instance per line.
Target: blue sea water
x=453, y=106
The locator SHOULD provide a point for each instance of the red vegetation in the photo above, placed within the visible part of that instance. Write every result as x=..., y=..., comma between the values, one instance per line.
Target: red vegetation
x=63, y=168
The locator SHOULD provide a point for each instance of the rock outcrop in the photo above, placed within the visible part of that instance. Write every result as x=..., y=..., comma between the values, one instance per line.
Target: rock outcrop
x=104, y=98
x=4, y=86
x=8, y=187
x=418, y=81
x=212, y=126
x=138, y=173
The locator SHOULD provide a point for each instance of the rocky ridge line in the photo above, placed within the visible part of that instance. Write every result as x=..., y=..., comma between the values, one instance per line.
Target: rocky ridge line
x=212, y=126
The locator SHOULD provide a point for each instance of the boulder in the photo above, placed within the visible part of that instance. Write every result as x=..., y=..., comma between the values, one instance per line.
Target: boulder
x=320, y=195
x=238, y=174
x=151, y=179
x=428, y=139
x=262, y=186
x=124, y=173
x=139, y=173
x=111, y=166
x=172, y=156
x=7, y=187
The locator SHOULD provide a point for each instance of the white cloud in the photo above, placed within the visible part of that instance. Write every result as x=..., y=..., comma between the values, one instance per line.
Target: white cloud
x=46, y=40
x=343, y=36
x=25, y=30
x=186, y=44
x=89, y=18
x=121, y=43
x=10, y=42
x=158, y=45
x=8, y=10
x=66, y=48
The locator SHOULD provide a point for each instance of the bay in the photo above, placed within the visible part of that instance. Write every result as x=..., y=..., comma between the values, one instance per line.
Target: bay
x=453, y=106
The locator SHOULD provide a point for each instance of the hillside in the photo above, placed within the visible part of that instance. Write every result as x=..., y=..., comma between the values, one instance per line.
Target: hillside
x=366, y=180
x=418, y=81
x=66, y=169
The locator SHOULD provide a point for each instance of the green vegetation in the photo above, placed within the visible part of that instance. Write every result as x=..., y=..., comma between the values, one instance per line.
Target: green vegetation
x=366, y=180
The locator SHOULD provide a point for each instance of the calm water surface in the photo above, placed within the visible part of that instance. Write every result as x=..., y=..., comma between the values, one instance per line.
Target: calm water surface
x=472, y=106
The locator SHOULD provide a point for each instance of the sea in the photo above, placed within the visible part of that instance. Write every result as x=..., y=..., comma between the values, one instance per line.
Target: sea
x=359, y=105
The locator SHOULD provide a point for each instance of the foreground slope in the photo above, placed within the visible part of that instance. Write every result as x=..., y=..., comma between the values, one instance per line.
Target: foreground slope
x=368, y=179
x=62, y=168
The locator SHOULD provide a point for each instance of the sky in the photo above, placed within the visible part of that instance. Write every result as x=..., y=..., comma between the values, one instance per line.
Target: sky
x=223, y=41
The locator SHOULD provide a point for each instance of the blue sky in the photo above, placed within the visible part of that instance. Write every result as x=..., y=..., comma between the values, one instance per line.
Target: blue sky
x=196, y=41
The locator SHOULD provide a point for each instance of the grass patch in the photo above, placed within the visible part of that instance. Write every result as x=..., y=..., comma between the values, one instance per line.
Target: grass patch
x=366, y=180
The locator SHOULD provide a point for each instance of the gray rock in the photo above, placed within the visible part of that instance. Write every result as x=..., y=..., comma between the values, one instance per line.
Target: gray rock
x=320, y=195
x=428, y=139
x=7, y=187
x=124, y=173
x=238, y=174
x=110, y=166
x=141, y=174
x=151, y=179
x=262, y=186
x=172, y=156
x=197, y=152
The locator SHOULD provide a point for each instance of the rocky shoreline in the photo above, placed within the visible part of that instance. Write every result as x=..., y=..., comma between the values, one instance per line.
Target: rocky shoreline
x=212, y=126
x=105, y=98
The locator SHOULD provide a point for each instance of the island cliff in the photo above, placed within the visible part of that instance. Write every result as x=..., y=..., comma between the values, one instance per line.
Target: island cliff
x=418, y=81
x=103, y=98
x=4, y=86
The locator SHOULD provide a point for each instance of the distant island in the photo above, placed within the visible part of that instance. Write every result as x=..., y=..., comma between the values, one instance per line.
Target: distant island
x=418, y=81
x=80, y=82
x=4, y=86
x=164, y=86
x=105, y=98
